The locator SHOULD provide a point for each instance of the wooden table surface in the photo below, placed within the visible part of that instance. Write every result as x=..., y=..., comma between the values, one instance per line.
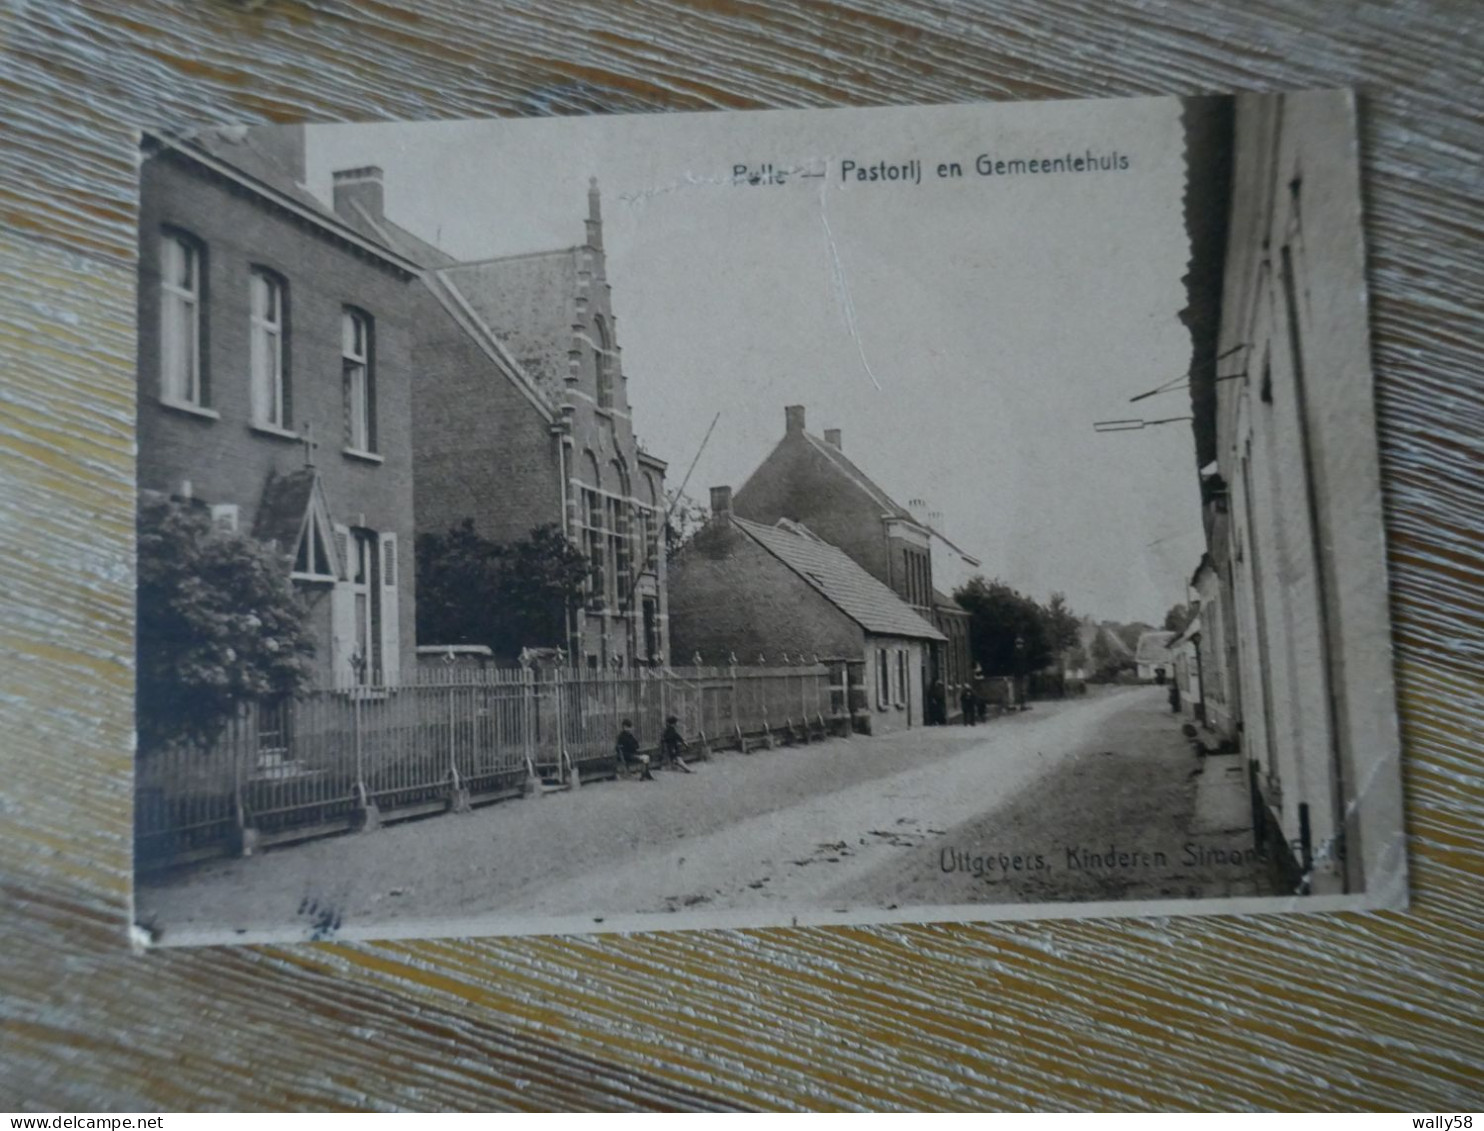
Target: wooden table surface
x=1337, y=1011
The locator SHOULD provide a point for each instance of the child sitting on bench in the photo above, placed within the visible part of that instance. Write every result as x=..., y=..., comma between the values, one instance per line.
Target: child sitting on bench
x=626, y=748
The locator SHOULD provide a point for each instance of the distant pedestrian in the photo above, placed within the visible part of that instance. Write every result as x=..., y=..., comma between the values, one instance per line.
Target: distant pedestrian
x=672, y=743
x=981, y=708
x=937, y=703
x=968, y=706
x=626, y=747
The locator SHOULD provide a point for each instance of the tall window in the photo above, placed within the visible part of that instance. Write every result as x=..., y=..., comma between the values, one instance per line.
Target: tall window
x=365, y=583
x=270, y=394
x=593, y=504
x=181, y=310
x=356, y=352
x=620, y=537
x=613, y=560
x=603, y=363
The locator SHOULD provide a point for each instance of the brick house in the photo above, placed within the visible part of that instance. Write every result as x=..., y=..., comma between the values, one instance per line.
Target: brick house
x=522, y=418
x=274, y=383
x=749, y=592
x=809, y=480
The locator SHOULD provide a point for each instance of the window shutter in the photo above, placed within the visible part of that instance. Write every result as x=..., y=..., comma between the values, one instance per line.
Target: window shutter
x=391, y=635
x=343, y=616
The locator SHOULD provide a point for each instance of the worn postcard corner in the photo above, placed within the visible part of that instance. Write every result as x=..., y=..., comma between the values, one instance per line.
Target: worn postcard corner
x=930, y=513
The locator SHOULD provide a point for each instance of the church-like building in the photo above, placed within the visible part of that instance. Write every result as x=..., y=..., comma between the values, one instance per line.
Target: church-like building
x=521, y=419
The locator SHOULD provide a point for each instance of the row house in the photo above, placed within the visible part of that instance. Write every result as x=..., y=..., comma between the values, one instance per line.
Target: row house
x=522, y=418
x=809, y=480
x=1153, y=659
x=749, y=592
x=275, y=361
x=1285, y=442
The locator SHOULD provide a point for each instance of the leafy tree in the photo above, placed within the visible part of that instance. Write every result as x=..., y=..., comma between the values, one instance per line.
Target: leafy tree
x=1101, y=653
x=541, y=578
x=1063, y=627
x=998, y=617
x=685, y=520
x=471, y=590
x=219, y=623
x=1130, y=633
x=1179, y=617
x=1107, y=661
x=458, y=587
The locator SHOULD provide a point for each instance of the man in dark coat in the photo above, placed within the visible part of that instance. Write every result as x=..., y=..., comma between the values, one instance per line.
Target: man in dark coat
x=672, y=742
x=626, y=747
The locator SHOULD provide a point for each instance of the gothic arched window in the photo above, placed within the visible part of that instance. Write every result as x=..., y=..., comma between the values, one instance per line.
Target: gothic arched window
x=603, y=362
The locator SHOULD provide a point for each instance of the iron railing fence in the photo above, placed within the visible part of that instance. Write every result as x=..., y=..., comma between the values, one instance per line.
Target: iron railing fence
x=336, y=758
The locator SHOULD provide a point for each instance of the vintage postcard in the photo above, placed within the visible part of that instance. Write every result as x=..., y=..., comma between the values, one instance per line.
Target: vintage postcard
x=751, y=519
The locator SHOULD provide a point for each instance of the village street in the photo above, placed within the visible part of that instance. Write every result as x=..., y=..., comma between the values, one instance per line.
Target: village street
x=1024, y=809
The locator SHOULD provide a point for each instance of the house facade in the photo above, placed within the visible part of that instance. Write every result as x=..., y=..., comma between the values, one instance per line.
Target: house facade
x=275, y=362
x=1152, y=657
x=1285, y=440
x=1216, y=644
x=522, y=420
x=1185, y=670
x=753, y=593
x=809, y=480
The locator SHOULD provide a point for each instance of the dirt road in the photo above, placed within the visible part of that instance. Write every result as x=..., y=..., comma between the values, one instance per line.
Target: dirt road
x=851, y=823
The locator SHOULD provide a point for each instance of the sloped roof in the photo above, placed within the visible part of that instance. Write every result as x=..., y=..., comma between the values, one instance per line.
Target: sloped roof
x=399, y=239
x=943, y=601
x=846, y=466
x=285, y=503
x=843, y=583
x=438, y=277
x=1154, y=647
x=1191, y=631
x=232, y=154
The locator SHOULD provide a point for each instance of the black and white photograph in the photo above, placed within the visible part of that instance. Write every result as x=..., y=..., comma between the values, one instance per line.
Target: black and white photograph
x=744, y=519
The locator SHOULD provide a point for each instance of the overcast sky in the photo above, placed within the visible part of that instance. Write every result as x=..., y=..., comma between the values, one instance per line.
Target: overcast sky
x=964, y=334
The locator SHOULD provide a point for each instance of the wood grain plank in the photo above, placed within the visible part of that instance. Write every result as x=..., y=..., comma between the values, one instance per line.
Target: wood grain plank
x=1331, y=1011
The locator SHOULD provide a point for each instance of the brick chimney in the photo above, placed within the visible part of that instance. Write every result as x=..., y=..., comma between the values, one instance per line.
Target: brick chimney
x=832, y=437
x=793, y=418
x=361, y=186
x=721, y=502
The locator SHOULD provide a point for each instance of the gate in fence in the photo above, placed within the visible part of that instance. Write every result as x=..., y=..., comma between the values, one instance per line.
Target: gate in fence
x=334, y=759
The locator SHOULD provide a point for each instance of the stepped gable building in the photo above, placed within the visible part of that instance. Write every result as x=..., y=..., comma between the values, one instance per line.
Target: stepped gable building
x=741, y=590
x=275, y=361
x=522, y=419
x=809, y=480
